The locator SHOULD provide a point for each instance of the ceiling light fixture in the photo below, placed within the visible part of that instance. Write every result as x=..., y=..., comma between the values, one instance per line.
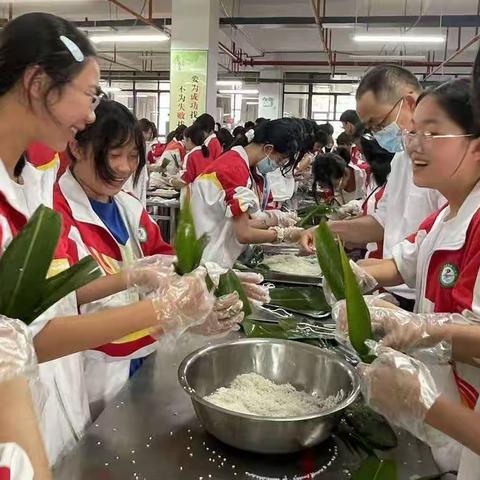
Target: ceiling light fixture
x=229, y=83
x=129, y=38
x=389, y=58
x=399, y=38
x=111, y=89
x=240, y=91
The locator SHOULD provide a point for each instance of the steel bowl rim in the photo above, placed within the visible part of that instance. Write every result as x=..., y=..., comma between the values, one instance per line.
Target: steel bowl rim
x=189, y=359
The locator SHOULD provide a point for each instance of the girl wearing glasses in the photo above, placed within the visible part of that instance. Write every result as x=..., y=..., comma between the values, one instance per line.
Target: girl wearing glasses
x=438, y=386
x=229, y=198
x=48, y=93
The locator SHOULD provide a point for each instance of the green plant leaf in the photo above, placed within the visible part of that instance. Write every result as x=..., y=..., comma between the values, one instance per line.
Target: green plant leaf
x=328, y=258
x=358, y=315
x=310, y=214
x=264, y=330
x=299, y=299
x=25, y=263
x=229, y=283
x=374, y=468
x=59, y=286
x=374, y=429
x=188, y=248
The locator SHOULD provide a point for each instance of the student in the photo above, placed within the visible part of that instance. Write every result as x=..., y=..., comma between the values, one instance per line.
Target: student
x=174, y=153
x=225, y=138
x=345, y=141
x=198, y=156
x=113, y=227
x=49, y=80
x=386, y=100
x=350, y=122
x=233, y=190
x=207, y=123
x=238, y=130
x=441, y=260
x=249, y=125
x=328, y=129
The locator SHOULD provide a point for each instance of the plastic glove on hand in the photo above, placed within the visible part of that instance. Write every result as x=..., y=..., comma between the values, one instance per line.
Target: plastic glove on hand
x=400, y=388
x=284, y=219
x=183, y=303
x=251, y=283
x=307, y=242
x=288, y=234
x=226, y=315
x=150, y=273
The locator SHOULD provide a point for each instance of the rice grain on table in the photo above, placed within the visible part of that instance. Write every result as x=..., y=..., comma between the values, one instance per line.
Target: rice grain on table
x=254, y=394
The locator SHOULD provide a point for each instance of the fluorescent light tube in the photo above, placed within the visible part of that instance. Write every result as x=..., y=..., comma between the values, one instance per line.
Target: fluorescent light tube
x=111, y=89
x=240, y=91
x=399, y=38
x=395, y=58
x=229, y=83
x=129, y=38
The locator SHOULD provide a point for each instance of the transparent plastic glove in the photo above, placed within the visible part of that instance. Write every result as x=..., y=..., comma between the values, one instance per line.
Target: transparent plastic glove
x=365, y=280
x=307, y=242
x=226, y=315
x=18, y=358
x=400, y=388
x=150, y=273
x=183, y=303
x=283, y=219
x=251, y=283
x=339, y=312
x=350, y=209
x=288, y=234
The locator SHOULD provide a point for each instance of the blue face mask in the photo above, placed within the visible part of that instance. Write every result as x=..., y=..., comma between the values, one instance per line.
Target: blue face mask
x=266, y=165
x=390, y=137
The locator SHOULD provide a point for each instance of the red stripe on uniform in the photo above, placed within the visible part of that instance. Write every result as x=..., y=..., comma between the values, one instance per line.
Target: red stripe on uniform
x=467, y=392
x=125, y=349
x=4, y=473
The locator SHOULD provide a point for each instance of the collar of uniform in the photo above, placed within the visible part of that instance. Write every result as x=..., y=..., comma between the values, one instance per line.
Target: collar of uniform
x=77, y=200
x=456, y=228
x=9, y=191
x=243, y=153
x=209, y=139
x=187, y=155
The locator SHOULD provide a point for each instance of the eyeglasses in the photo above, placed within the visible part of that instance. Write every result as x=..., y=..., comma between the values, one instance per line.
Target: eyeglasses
x=379, y=126
x=425, y=139
x=96, y=97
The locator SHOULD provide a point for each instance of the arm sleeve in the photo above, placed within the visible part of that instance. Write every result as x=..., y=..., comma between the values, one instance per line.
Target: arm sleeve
x=154, y=242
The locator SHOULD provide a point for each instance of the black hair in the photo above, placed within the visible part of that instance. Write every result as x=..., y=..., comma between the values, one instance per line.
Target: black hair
x=260, y=120
x=476, y=89
x=197, y=136
x=114, y=127
x=178, y=132
x=34, y=39
x=386, y=83
x=145, y=124
x=239, y=130
x=170, y=137
x=282, y=134
x=218, y=126
x=308, y=131
x=154, y=129
x=377, y=157
x=344, y=139
x=327, y=127
x=321, y=136
x=455, y=99
x=206, y=122
x=325, y=167
x=344, y=153
x=225, y=138
x=249, y=125
x=350, y=116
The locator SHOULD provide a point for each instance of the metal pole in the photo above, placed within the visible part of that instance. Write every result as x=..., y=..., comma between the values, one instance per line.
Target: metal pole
x=318, y=21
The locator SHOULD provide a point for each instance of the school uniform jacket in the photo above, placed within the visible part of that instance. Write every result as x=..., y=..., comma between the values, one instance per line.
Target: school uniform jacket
x=194, y=164
x=214, y=146
x=226, y=189
x=173, y=155
x=87, y=234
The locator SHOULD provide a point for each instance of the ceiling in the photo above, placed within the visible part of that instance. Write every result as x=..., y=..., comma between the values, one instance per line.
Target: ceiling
x=283, y=34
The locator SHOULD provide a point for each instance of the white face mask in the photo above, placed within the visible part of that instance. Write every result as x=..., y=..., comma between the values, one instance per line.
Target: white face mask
x=390, y=137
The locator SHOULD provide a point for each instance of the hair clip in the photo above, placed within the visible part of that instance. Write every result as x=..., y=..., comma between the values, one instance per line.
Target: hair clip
x=72, y=48
x=250, y=134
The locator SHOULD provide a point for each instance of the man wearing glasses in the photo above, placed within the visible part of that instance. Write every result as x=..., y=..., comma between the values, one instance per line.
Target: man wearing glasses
x=386, y=99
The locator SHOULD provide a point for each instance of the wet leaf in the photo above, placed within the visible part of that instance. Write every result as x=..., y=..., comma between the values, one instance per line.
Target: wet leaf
x=374, y=468
x=229, y=283
x=299, y=299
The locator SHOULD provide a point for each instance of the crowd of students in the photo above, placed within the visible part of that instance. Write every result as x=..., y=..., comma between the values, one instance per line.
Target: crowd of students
x=403, y=178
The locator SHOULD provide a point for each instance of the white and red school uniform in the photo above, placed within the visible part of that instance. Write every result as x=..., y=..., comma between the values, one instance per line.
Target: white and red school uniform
x=442, y=262
x=14, y=463
x=173, y=154
x=194, y=164
x=402, y=209
x=65, y=414
x=374, y=249
x=107, y=367
x=226, y=189
x=214, y=146
x=359, y=193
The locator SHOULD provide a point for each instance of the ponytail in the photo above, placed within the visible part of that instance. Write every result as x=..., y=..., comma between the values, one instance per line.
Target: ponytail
x=205, y=151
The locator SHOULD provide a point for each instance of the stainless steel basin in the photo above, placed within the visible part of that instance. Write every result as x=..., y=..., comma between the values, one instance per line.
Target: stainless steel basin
x=306, y=367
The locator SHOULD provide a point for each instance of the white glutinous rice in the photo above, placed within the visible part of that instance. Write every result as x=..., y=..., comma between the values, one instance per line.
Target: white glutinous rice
x=253, y=394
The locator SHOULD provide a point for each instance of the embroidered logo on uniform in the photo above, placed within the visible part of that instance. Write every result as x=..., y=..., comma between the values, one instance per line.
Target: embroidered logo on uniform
x=142, y=235
x=449, y=275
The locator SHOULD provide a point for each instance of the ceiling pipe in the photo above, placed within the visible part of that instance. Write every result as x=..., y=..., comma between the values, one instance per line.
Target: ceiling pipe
x=146, y=21
x=112, y=60
x=473, y=40
x=316, y=11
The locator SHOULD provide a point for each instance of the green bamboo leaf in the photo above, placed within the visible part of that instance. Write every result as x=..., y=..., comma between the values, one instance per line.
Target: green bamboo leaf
x=263, y=330
x=358, y=315
x=229, y=283
x=316, y=211
x=25, y=263
x=59, y=286
x=374, y=468
x=299, y=299
x=329, y=260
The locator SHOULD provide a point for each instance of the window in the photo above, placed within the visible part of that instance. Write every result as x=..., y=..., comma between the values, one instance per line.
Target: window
x=296, y=88
x=295, y=105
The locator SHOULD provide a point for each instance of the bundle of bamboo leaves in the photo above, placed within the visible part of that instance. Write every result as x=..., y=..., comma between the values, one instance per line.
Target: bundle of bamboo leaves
x=25, y=290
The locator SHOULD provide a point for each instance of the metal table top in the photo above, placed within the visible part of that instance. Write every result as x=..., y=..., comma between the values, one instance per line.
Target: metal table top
x=150, y=432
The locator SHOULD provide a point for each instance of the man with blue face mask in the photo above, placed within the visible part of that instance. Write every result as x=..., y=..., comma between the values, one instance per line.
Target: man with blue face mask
x=386, y=99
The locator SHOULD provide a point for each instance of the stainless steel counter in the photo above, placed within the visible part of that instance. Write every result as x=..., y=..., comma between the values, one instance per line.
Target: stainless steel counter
x=150, y=432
